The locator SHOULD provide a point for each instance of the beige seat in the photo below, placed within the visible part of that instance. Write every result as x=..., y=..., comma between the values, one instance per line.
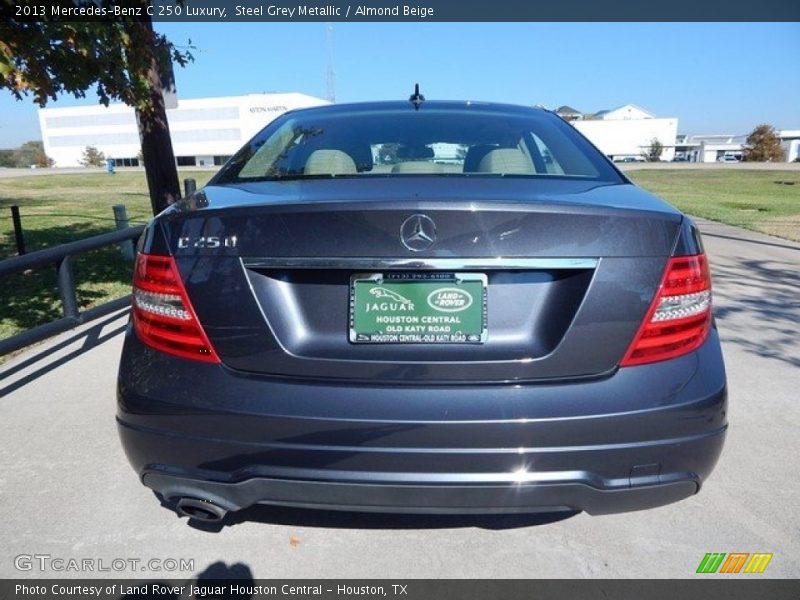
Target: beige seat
x=417, y=166
x=507, y=161
x=329, y=162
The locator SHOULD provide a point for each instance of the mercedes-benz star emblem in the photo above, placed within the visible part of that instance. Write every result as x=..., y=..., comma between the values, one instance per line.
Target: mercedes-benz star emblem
x=418, y=233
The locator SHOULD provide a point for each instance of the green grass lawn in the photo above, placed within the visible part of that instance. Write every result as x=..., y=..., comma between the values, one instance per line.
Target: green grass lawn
x=61, y=208
x=766, y=201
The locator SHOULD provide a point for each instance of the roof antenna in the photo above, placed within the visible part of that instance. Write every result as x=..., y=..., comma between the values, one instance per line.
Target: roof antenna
x=416, y=98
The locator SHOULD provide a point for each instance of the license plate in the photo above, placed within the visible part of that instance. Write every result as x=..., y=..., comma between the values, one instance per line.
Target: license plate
x=418, y=308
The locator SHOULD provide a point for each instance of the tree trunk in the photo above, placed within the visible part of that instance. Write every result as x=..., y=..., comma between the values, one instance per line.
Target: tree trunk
x=159, y=159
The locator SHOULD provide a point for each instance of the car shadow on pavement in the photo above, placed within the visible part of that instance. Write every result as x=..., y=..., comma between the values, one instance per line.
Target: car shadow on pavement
x=91, y=339
x=335, y=519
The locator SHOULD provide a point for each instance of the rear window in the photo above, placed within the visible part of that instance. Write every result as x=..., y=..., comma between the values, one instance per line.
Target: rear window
x=398, y=142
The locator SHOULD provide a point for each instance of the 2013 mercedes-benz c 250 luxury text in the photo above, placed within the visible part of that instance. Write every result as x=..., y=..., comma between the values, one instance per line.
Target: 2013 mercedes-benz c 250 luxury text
x=453, y=307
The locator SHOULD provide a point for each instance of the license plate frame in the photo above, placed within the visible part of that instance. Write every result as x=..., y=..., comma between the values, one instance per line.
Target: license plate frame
x=455, y=302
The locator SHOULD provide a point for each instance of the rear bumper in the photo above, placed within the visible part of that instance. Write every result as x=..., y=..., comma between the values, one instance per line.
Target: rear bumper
x=643, y=437
x=428, y=498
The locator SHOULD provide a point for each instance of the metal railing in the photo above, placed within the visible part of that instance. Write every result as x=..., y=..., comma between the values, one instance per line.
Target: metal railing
x=62, y=256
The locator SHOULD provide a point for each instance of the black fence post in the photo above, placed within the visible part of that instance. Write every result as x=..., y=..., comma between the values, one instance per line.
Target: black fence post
x=19, y=236
x=121, y=219
x=66, y=288
x=189, y=186
x=61, y=258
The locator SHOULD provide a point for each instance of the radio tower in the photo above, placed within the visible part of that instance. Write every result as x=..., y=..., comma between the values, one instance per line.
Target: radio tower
x=331, y=73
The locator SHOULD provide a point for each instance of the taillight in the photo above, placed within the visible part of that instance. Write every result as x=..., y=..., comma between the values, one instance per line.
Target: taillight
x=163, y=317
x=680, y=316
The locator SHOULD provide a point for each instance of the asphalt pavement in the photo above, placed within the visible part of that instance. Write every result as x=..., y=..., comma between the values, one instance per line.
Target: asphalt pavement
x=67, y=492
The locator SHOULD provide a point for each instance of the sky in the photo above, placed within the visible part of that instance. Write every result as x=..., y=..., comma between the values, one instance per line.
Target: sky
x=714, y=77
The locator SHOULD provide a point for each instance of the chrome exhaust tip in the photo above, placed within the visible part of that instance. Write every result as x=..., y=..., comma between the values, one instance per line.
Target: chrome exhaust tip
x=200, y=510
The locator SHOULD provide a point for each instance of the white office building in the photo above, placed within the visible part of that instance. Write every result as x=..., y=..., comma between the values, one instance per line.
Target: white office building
x=625, y=132
x=205, y=131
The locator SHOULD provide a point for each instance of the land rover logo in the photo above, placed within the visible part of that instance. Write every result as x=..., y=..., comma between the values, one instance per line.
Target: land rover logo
x=418, y=233
x=450, y=299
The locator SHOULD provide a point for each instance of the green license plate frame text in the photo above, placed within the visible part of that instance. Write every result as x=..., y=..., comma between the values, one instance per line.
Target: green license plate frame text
x=418, y=308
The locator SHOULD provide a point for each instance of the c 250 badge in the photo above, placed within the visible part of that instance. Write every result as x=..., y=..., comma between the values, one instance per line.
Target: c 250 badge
x=208, y=241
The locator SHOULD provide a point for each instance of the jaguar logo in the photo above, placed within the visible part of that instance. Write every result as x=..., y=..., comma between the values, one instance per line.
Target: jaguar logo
x=418, y=233
x=388, y=301
x=450, y=299
x=381, y=292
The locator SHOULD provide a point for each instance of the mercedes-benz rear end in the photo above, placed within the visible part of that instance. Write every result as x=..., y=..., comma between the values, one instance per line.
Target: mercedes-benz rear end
x=447, y=308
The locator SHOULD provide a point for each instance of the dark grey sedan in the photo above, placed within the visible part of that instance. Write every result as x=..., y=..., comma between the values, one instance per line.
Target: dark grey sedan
x=421, y=307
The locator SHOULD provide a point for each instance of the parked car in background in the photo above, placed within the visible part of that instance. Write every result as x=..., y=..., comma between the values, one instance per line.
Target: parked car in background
x=521, y=329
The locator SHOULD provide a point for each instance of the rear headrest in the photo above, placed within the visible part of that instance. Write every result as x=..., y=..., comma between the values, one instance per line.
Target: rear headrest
x=510, y=161
x=474, y=156
x=329, y=162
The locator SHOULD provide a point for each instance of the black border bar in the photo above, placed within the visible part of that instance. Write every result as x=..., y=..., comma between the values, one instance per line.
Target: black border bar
x=740, y=587
x=222, y=11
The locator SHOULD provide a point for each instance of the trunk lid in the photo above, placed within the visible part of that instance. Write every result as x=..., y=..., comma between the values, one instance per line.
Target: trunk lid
x=570, y=270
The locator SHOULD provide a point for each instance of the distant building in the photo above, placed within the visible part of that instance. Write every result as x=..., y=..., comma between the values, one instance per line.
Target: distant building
x=790, y=141
x=625, y=132
x=714, y=148
x=205, y=131
x=623, y=113
x=568, y=113
x=709, y=148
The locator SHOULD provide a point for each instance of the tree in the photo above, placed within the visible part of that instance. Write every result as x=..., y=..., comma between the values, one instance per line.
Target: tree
x=763, y=145
x=653, y=152
x=32, y=153
x=7, y=158
x=92, y=157
x=120, y=58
